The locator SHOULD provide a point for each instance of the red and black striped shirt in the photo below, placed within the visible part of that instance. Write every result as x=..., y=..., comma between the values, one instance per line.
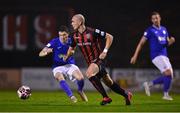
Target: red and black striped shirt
x=89, y=43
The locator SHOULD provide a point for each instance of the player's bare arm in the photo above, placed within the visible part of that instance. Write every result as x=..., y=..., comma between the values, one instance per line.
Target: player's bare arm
x=45, y=51
x=109, y=40
x=138, y=49
x=170, y=40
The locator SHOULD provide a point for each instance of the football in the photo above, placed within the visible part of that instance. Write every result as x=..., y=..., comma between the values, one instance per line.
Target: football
x=24, y=92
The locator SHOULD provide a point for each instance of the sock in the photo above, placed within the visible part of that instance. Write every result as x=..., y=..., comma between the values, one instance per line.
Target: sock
x=116, y=88
x=159, y=80
x=65, y=87
x=150, y=83
x=80, y=84
x=166, y=94
x=167, y=83
x=97, y=84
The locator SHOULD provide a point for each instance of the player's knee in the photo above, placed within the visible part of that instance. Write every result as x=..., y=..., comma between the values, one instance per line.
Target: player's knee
x=78, y=75
x=89, y=73
x=59, y=77
x=167, y=72
x=80, y=78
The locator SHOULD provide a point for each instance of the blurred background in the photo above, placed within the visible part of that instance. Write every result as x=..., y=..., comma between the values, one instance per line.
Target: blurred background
x=27, y=25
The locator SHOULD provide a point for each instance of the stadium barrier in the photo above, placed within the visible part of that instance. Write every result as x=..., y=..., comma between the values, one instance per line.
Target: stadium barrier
x=42, y=79
x=10, y=78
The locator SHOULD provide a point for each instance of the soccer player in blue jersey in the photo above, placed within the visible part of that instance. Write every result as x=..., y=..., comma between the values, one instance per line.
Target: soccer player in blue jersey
x=59, y=46
x=159, y=40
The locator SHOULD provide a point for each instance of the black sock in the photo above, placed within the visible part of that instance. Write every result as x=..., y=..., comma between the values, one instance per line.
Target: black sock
x=97, y=84
x=116, y=88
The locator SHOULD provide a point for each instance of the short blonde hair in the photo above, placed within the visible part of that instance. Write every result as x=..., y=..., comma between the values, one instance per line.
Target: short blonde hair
x=80, y=17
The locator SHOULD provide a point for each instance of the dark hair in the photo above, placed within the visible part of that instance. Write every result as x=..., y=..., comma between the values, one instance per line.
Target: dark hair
x=63, y=28
x=154, y=13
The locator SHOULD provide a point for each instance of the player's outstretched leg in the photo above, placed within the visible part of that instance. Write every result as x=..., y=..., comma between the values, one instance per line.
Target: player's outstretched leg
x=97, y=84
x=117, y=89
x=67, y=90
x=127, y=95
x=80, y=84
x=147, y=85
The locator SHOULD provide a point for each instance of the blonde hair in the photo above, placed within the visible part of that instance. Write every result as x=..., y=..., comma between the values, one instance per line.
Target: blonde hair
x=80, y=17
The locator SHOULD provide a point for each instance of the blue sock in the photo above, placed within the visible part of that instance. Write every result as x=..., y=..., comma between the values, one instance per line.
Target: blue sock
x=65, y=87
x=80, y=84
x=159, y=80
x=167, y=83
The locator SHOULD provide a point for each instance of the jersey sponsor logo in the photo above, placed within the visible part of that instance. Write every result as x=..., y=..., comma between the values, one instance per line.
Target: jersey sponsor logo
x=76, y=37
x=161, y=38
x=84, y=44
x=61, y=56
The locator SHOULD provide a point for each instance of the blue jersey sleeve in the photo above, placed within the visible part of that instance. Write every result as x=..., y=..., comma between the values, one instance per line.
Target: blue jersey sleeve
x=167, y=34
x=51, y=44
x=147, y=34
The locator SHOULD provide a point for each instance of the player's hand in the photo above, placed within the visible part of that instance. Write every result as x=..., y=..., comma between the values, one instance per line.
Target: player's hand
x=65, y=58
x=49, y=50
x=45, y=52
x=103, y=55
x=133, y=60
x=171, y=41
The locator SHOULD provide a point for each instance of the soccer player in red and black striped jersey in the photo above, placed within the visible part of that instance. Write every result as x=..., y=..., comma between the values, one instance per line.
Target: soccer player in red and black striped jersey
x=89, y=42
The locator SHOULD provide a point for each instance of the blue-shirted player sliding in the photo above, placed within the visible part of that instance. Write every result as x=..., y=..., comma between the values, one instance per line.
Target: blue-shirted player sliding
x=59, y=46
x=159, y=40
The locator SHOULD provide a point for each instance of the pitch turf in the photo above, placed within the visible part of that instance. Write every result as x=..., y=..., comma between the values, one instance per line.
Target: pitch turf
x=57, y=101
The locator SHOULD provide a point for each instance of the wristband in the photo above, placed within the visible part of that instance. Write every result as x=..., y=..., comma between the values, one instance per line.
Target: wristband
x=105, y=50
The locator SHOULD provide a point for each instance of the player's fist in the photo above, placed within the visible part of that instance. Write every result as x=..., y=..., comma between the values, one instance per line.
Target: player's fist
x=171, y=41
x=103, y=55
x=65, y=58
x=49, y=50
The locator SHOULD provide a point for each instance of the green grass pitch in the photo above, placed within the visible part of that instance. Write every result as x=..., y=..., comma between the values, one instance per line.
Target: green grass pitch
x=57, y=101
